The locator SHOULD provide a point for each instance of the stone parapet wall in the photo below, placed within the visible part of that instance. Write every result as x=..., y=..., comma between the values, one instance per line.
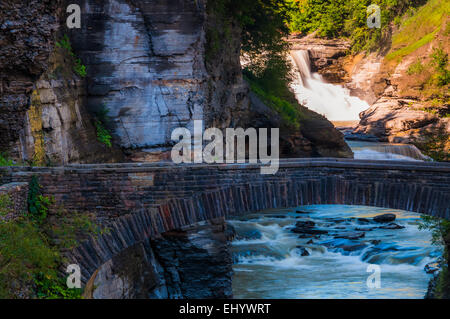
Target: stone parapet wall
x=13, y=197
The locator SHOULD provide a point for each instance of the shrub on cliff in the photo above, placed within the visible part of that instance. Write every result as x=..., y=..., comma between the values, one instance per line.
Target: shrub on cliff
x=440, y=231
x=346, y=18
x=32, y=248
x=78, y=67
x=5, y=161
x=264, y=29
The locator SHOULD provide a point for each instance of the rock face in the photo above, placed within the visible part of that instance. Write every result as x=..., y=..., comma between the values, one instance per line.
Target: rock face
x=385, y=218
x=191, y=263
x=324, y=55
x=154, y=65
x=145, y=64
x=398, y=120
x=57, y=128
x=26, y=30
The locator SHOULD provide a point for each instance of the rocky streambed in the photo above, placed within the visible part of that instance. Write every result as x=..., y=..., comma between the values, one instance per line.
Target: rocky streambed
x=324, y=251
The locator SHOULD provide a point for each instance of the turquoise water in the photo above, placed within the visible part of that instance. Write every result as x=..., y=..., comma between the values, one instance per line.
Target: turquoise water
x=268, y=264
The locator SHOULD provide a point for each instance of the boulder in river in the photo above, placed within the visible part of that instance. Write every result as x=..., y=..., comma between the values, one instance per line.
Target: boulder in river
x=392, y=226
x=351, y=235
x=302, y=251
x=305, y=223
x=434, y=266
x=308, y=230
x=363, y=220
x=385, y=218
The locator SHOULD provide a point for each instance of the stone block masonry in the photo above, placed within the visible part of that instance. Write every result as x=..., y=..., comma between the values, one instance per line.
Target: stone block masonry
x=141, y=201
x=13, y=198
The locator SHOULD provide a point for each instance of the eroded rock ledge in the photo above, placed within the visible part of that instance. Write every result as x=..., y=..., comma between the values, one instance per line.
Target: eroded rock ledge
x=190, y=263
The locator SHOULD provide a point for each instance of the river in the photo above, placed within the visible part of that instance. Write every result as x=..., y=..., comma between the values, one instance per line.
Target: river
x=271, y=261
x=268, y=261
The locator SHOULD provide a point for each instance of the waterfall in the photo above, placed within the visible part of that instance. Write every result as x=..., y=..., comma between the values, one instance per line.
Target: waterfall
x=332, y=101
x=385, y=151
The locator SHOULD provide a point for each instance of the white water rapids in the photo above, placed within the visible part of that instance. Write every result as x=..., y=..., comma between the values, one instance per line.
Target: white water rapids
x=332, y=101
x=269, y=264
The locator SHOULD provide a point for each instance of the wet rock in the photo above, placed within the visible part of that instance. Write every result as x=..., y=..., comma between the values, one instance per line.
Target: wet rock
x=310, y=242
x=344, y=245
x=351, y=235
x=301, y=212
x=434, y=266
x=250, y=234
x=307, y=230
x=230, y=232
x=363, y=220
x=278, y=216
x=375, y=242
x=307, y=224
x=335, y=220
x=354, y=247
x=392, y=226
x=385, y=218
x=366, y=228
x=302, y=251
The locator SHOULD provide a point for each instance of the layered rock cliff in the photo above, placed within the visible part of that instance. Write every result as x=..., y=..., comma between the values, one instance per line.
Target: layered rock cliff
x=153, y=65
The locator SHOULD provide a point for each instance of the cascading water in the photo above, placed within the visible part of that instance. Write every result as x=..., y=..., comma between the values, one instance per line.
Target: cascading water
x=332, y=259
x=386, y=151
x=332, y=101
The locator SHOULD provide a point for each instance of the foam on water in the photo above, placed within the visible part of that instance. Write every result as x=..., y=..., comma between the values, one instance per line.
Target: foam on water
x=332, y=101
x=271, y=267
x=386, y=151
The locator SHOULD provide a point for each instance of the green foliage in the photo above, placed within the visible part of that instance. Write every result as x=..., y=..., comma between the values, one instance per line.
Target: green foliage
x=287, y=110
x=5, y=204
x=442, y=289
x=79, y=68
x=440, y=62
x=439, y=227
x=65, y=44
x=52, y=286
x=264, y=29
x=103, y=135
x=434, y=145
x=419, y=28
x=65, y=230
x=347, y=18
x=5, y=161
x=440, y=231
x=23, y=252
x=415, y=68
x=100, y=122
x=31, y=248
x=38, y=205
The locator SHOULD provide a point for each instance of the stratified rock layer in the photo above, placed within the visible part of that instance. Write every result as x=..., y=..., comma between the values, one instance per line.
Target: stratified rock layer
x=190, y=263
x=26, y=29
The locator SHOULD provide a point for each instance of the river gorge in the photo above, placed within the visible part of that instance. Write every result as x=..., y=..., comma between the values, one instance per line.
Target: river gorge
x=357, y=205
x=272, y=261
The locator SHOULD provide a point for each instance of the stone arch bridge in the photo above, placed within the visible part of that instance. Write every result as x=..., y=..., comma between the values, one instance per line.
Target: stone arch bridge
x=142, y=201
